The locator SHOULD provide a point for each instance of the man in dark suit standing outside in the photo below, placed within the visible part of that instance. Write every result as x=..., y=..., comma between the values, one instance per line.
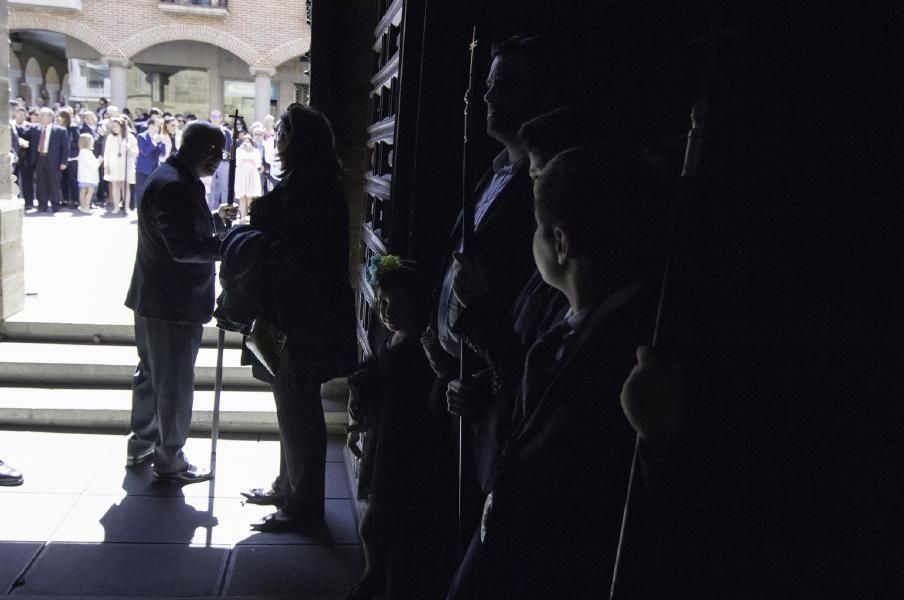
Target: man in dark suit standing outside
x=172, y=294
x=49, y=147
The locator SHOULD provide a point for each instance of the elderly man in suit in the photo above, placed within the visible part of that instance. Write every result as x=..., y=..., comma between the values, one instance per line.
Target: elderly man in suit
x=172, y=295
x=550, y=525
x=49, y=148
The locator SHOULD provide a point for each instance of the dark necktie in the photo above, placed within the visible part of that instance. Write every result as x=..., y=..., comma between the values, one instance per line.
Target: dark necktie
x=42, y=140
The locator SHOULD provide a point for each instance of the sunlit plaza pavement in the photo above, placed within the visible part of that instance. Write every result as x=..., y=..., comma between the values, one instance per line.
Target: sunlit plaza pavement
x=83, y=525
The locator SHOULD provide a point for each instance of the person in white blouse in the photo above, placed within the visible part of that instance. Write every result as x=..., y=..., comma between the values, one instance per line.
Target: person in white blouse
x=120, y=153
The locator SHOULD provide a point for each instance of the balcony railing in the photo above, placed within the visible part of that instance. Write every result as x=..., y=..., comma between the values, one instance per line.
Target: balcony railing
x=69, y=5
x=211, y=8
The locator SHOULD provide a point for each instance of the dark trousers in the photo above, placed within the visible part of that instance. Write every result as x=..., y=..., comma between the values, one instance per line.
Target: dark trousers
x=70, y=183
x=162, y=390
x=25, y=178
x=302, y=438
x=47, y=178
x=101, y=196
x=138, y=188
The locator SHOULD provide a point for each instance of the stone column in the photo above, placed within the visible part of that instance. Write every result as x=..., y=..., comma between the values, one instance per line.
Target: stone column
x=34, y=85
x=12, y=260
x=262, y=86
x=119, y=88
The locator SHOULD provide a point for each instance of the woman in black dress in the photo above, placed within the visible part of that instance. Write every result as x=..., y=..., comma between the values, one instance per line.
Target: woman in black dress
x=312, y=302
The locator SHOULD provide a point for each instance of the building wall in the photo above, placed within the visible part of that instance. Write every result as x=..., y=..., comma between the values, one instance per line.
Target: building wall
x=263, y=33
x=256, y=39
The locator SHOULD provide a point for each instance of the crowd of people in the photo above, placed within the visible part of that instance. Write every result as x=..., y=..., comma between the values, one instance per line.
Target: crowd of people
x=69, y=157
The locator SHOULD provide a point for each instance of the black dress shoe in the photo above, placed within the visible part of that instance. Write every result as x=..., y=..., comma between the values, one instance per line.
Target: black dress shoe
x=190, y=474
x=262, y=497
x=282, y=522
x=9, y=476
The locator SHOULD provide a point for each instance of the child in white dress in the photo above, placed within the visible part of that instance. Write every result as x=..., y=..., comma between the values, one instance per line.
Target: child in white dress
x=88, y=172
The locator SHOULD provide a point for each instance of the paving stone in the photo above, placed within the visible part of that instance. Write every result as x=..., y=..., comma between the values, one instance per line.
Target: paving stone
x=157, y=570
x=14, y=556
x=329, y=571
x=32, y=517
x=134, y=519
x=57, y=463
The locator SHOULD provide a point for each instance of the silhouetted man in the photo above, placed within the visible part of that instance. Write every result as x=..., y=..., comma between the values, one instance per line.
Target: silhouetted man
x=172, y=294
x=520, y=86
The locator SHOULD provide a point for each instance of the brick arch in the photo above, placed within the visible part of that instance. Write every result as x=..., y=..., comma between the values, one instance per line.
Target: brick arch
x=62, y=24
x=289, y=50
x=192, y=33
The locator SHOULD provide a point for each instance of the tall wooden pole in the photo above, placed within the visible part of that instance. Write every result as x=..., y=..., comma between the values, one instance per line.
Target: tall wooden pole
x=467, y=233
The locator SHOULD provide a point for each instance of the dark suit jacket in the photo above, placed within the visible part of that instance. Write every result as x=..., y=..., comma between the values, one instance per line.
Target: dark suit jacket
x=503, y=240
x=173, y=278
x=98, y=140
x=57, y=150
x=561, y=482
x=502, y=243
x=148, y=154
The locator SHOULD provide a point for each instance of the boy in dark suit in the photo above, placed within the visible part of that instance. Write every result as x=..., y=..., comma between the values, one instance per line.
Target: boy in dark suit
x=550, y=526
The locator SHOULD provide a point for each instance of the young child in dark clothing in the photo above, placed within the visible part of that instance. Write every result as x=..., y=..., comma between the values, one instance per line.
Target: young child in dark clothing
x=406, y=471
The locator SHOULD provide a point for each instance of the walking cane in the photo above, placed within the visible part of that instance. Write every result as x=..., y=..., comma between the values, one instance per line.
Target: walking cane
x=689, y=172
x=467, y=233
x=221, y=333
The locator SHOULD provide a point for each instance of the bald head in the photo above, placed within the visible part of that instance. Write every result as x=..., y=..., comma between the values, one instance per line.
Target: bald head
x=202, y=147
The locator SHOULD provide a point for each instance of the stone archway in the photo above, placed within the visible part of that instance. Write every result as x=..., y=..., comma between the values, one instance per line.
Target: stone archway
x=34, y=79
x=33, y=68
x=65, y=25
x=52, y=84
x=287, y=51
x=193, y=33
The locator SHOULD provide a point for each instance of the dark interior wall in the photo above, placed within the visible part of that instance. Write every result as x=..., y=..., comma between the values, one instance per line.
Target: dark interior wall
x=342, y=36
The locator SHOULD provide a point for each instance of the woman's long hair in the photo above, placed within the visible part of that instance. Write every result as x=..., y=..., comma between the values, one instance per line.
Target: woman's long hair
x=311, y=146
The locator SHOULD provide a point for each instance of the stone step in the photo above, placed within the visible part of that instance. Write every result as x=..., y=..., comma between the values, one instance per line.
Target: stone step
x=105, y=366
x=14, y=330
x=240, y=411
